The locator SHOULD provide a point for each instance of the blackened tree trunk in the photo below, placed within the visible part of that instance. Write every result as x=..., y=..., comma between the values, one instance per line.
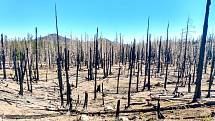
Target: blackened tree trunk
x=211, y=75
x=3, y=57
x=20, y=79
x=197, y=94
x=167, y=58
x=118, y=109
x=96, y=64
x=30, y=74
x=15, y=65
x=112, y=56
x=77, y=66
x=176, y=86
x=59, y=61
x=68, y=57
x=160, y=116
x=107, y=63
x=36, y=44
x=85, y=100
x=146, y=59
x=104, y=66
x=149, y=63
x=120, y=49
x=159, y=57
x=132, y=59
x=117, y=88
x=117, y=85
x=90, y=75
x=21, y=71
x=110, y=59
x=185, y=52
x=27, y=59
x=138, y=74
x=141, y=61
x=189, y=84
x=194, y=64
x=49, y=57
x=101, y=52
x=68, y=94
x=81, y=55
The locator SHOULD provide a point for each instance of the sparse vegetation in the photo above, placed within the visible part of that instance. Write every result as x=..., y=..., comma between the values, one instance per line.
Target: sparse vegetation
x=48, y=77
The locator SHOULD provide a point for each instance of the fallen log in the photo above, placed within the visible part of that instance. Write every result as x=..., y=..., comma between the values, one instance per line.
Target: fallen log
x=36, y=116
x=174, y=107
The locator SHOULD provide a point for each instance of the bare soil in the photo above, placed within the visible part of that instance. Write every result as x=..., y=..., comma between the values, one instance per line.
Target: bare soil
x=44, y=103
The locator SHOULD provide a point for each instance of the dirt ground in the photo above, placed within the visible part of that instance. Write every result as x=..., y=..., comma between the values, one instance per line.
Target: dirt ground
x=44, y=101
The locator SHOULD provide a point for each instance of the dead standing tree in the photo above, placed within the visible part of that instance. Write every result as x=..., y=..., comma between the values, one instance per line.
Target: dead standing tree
x=212, y=73
x=90, y=67
x=30, y=72
x=15, y=65
x=120, y=60
x=59, y=61
x=77, y=64
x=197, y=93
x=36, y=51
x=96, y=63
x=27, y=59
x=21, y=71
x=149, y=63
x=166, y=57
x=131, y=66
x=185, y=53
x=3, y=57
x=159, y=56
x=146, y=59
x=68, y=93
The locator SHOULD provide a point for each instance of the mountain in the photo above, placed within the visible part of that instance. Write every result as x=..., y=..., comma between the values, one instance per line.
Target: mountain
x=53, y=37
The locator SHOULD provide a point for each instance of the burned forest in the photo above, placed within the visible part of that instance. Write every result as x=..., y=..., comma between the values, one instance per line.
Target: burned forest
x=57, y=77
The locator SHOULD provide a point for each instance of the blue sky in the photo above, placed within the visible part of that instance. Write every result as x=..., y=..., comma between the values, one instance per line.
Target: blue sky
x=129, y=17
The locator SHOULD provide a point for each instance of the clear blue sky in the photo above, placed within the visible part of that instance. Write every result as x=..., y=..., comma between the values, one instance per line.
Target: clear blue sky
x=129, y=17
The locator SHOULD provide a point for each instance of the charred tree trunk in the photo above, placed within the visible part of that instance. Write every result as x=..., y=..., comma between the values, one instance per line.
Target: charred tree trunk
x=146, y=60
x=194, y=64
x=159, y=55
x=96, y=64
x=49, y=58
x=104, y=66
x=30, y=74
x=189, y=84
x=138, y=73
x=59, y=61
x=85, y=100
x=185, y=53
x=117, y=85
x=21, y=71
x=197, y=94
x=149, y=63
x=141, y=61
x=167, y=58
x=211, y=75
x=160, y=116
x=118, y=109
x=15, y=65
x=3, y=57
x=110, y=59
x=28, y=86
x=68, y=94
x=90, y=75
x=101, y=52
x=77, y=66
x=36, y=44
x=132, y=58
